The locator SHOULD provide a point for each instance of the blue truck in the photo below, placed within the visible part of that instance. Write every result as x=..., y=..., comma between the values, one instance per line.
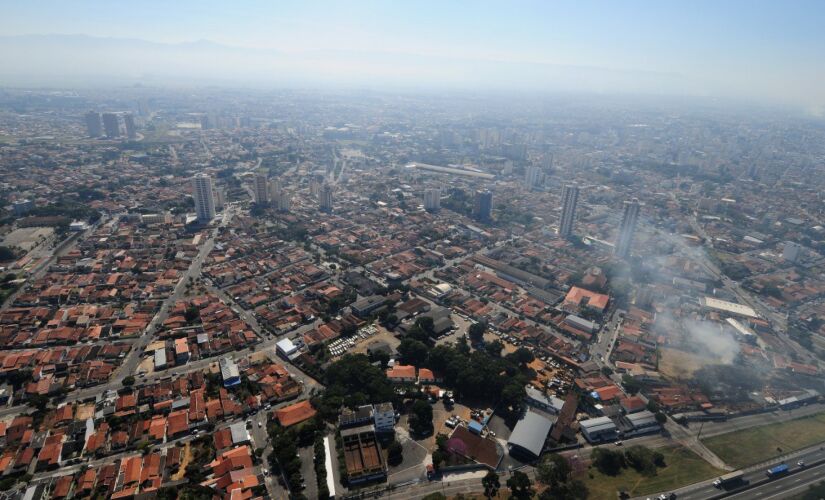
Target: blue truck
x=777, y=470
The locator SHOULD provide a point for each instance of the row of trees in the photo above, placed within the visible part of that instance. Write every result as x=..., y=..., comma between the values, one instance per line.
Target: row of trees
x=553, y=471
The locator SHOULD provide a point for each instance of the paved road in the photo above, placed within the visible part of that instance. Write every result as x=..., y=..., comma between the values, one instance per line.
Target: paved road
x=755, y=476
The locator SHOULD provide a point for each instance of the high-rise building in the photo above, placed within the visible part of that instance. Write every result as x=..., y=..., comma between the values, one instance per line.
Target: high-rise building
x=325, y=197
x=791, y=252
x=204, y=196
x=483, y=205
x=569, y=199
x=533, y=177
x=93, y=124
x=111, y=125
x=432, y=200
x=280, y=198
x=627, y=228
x=129, y=123
x=261, y=189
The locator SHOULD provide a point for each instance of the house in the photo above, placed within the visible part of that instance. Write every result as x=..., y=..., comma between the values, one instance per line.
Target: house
x=426, y=376
x=401, y=374
x=296, y=413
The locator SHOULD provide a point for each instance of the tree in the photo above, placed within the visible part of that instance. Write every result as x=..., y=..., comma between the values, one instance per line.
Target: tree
x=491, y=484
x=421, y=418
x=476, y=332
x=608, y=462
x=523, y=356
x=395, y=453
x=571, y=490
x=191, y=314
x=553, y=469
x=644, y=460
x=6, y=254
x=494, y=348
x=661, y=418
x=412, y=352
x=520, y=486
x=128, y=381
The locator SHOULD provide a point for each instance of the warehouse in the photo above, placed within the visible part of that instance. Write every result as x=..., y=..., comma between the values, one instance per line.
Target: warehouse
x=599, y=429
x=529, y=435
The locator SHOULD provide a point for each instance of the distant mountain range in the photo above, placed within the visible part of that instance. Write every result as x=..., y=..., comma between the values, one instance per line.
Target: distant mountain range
x=81, y=60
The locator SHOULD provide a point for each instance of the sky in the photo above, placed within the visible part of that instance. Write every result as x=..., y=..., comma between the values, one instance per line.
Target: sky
x=767, y=51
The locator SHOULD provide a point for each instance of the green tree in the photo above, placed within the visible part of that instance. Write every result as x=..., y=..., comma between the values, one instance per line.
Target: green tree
x=520, y=486
x=412, y=352
x=395, y=453
x=491, y=484
x=421, y=418
x=553, y=469
x=6, y=254
x=128, y=381
x=608, y=462
x=476, y=332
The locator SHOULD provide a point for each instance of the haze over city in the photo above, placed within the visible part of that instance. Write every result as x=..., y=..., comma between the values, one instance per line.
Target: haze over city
x=412, y=250
x=761, y=51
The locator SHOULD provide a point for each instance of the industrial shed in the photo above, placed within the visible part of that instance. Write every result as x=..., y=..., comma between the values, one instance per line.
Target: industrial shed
x=529, y=434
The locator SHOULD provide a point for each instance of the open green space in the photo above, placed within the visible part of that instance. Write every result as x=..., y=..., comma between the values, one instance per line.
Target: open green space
x=682, y=467
x=750, y=446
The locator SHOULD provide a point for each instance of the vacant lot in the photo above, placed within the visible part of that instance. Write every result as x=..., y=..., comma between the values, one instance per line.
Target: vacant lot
x=677, y=364
x=750, y=446
x=683, y=467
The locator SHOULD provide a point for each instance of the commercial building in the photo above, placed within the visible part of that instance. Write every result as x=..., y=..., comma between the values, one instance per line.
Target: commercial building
x=542, y=401
x=483, y=205
x=432, y=200
x=325, y=197
x=204, y=195
x=627, y=229
x=643, y=422
x=229, y=372
x=599, y=429
x=581, y=323
x=364, y=307
x=160, y=359
x=261, y=189
x=111, y=125
x=286, y=348
x=383, y=416
x=529, y=435
x=22, y=207
x=569, y=200
x=129, y=125
x=93, y=127
x=729, y=308
x=355, y=418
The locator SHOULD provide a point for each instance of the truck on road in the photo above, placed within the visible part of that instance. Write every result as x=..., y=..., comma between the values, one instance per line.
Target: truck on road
x=777, y=470
x=729, y=480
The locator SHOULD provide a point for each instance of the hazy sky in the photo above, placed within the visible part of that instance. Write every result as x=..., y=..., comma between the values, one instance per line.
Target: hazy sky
x=756, y=49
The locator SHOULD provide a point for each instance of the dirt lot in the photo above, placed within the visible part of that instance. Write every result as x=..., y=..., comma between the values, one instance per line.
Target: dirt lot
x=678, y=364
x=147, y=365
x=186, y=457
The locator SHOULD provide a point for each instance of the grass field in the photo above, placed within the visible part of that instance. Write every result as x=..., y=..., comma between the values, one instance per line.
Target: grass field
x=750, y=446
x=682, y=467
